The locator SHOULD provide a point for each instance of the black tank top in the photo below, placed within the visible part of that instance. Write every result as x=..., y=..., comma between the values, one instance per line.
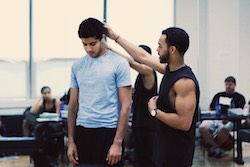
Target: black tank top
x=50, y=110
x=176, y=146
x=141, y=116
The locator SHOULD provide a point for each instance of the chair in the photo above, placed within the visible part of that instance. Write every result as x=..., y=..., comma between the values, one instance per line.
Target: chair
x=244, y=136
x=227, y=145
x=50, y=143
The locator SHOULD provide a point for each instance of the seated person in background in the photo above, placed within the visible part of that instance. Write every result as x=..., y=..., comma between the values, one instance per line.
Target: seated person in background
x=44, y=104
x=216, y=132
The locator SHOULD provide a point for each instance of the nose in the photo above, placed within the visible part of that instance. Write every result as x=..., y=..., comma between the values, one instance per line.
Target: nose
x=158, y=50
x=88, y=48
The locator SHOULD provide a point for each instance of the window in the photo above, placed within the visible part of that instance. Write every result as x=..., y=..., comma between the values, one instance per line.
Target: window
x=55, y=43
x=14, y=52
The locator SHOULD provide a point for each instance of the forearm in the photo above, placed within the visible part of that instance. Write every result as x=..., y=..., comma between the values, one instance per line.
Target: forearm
x=174, y=120
x=133, y=50
x=36, y=107
x=128, y=58
x=72, y=111
x=122, y=125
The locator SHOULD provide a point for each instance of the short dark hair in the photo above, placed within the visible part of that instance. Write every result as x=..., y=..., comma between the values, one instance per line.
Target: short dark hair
x=91, y=27
x=177, y=37
x=44, y=87
x=146, y=48
x=230, y=79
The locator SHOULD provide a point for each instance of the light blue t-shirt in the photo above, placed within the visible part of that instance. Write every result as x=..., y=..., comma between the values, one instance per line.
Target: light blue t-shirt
x=98, y=80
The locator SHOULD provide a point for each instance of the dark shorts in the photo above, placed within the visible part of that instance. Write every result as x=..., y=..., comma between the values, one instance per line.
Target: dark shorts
x=93, y=145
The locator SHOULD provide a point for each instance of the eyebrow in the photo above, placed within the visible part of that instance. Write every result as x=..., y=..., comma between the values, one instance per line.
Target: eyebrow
x=90, y=42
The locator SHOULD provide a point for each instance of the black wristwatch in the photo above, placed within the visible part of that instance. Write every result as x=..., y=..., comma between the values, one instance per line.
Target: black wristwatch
x=153, y=112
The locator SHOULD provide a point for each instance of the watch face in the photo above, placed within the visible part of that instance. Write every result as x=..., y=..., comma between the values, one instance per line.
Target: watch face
x=153, y=112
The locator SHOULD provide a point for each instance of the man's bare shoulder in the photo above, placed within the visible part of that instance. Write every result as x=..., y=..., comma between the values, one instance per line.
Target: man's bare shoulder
x=184, y=85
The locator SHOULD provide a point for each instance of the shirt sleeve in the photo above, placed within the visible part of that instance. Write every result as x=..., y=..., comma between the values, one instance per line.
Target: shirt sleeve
x=123, y=74
x=73, y=79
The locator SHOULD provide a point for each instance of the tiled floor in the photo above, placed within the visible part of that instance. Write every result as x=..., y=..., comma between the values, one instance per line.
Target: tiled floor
x=198, y=161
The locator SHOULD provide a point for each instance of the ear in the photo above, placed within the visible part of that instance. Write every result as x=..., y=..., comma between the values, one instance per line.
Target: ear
x=172, y=49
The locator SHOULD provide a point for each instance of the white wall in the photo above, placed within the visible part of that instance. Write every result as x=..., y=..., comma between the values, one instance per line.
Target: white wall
x=219, y=34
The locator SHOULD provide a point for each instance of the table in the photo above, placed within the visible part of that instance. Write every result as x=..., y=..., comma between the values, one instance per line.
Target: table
x=235, y=118
x=17, y=145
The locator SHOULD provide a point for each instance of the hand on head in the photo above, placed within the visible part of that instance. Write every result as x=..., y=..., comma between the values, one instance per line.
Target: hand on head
x=109, y=32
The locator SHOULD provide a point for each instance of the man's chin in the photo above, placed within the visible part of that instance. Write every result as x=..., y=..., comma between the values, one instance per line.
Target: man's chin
x=93, y=55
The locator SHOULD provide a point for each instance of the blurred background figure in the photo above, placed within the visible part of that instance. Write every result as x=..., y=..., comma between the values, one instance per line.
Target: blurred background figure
x=45, y=103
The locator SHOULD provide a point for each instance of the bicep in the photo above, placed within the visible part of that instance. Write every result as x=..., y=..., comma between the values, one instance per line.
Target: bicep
x=141, y=68
x=185, y=101
x=125, y=95
x=73, y=101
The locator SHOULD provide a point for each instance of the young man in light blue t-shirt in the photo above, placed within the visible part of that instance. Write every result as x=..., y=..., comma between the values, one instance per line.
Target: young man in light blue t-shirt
x=99, y=101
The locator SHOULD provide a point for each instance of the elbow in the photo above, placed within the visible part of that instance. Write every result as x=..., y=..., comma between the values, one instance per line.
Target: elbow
x=126, y=109
x=185, y=127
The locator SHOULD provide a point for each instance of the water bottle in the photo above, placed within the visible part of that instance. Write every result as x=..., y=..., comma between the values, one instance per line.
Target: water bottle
x=217, y=108
x=61, y=108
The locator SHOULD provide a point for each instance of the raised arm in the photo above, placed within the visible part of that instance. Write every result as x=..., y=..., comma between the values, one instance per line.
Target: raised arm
x=37, y=106
x=136, y=52
x=146, y=71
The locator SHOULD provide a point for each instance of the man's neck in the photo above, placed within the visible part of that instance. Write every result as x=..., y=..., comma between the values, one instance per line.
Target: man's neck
x=103, y=52
x=176, y=66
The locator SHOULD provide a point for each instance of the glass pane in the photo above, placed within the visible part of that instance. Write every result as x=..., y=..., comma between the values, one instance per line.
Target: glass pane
x=56, y=43
x=13, y=79
x=140, y=21
x=14, y=52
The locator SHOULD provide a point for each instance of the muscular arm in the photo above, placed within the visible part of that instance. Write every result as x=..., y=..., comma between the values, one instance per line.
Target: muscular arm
x=136, y=52
x=144, y=70
x=72, y=111
x=185, y=103
x=115, y=151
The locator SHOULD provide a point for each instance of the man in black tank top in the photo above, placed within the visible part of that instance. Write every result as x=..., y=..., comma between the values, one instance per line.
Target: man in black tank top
x=177, y=104
x=143, y=124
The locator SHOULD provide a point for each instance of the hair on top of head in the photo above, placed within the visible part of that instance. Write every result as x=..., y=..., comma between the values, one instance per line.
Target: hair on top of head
x=44, y=87
x=146, y=48
x=177, y=37
x=230, y=79
x=91, y=27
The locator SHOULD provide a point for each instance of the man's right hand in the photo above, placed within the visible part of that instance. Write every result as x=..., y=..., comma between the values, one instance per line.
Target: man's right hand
x=72, y=153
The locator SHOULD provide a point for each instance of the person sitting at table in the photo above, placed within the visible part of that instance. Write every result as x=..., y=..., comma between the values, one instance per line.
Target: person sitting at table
x=45, y=103
x=216, y=132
